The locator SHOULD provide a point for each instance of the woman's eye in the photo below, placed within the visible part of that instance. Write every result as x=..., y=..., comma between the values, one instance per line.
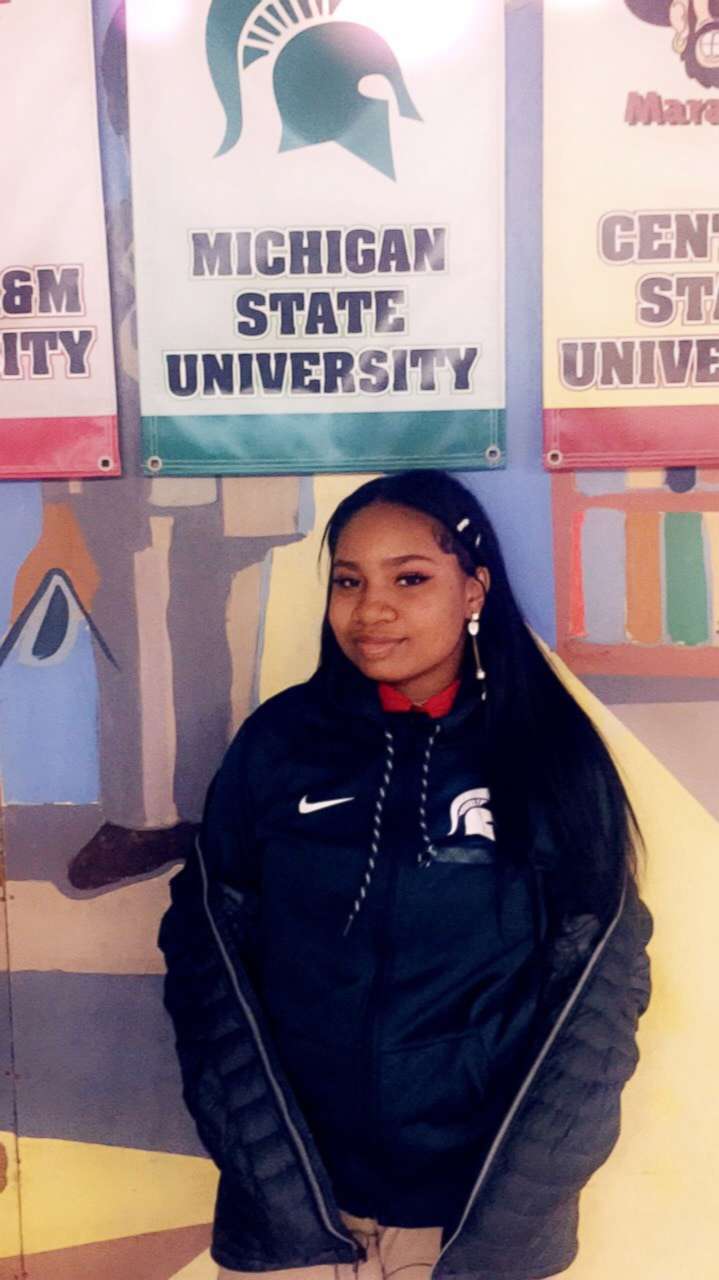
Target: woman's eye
x=412, y=579
x=344, y=582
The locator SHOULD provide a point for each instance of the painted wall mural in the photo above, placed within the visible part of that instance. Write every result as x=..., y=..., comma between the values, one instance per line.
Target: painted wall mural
x=637, y=562
x=141, y=620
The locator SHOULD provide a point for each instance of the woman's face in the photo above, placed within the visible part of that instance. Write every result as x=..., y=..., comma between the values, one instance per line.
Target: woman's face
x=399, y=604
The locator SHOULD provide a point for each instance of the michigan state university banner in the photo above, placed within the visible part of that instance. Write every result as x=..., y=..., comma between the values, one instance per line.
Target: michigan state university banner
x=631, y=233
x=57, y=383
x=318, y=192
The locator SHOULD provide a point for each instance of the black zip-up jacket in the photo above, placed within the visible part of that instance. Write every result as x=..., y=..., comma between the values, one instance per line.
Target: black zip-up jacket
x=480, y=1067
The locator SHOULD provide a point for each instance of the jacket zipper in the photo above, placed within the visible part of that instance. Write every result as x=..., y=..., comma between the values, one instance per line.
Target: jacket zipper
x=374, y=1004
x=531, y=1074
x=274, y=1083
x=377, y=1000
x=378, y=995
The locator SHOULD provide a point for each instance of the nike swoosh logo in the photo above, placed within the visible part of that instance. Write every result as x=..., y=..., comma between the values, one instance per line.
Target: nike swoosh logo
x=311, y=806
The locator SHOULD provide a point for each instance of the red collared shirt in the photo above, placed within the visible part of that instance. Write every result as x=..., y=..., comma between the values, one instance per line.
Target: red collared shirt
x=438, y=705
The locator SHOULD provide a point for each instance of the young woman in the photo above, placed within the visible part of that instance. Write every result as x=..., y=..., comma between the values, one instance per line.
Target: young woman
x=406, y=964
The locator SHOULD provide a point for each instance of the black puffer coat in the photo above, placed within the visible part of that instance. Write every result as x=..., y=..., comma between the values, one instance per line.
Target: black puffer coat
x=276, y=1203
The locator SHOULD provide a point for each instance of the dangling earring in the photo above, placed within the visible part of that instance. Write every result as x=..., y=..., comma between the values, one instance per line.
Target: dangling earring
x=480, y=673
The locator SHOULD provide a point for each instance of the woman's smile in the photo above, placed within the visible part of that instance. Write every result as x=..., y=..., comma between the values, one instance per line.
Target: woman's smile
x=377, y=647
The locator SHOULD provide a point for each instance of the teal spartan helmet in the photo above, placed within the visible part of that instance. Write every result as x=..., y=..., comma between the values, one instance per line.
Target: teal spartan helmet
x=316, y=75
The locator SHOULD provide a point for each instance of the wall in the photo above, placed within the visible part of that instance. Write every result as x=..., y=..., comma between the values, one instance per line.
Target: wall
x=141, y=620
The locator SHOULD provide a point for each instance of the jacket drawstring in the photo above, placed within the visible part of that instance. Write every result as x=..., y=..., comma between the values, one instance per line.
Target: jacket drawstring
x=425, y=855
x=376, y=833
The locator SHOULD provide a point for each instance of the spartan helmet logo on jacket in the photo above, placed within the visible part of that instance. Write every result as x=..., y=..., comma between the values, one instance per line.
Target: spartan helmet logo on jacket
x=696, y=33
x=471, y=808
x=319, y=64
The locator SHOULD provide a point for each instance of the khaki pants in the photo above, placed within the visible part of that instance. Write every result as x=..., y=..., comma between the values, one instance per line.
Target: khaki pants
x=407, y=1253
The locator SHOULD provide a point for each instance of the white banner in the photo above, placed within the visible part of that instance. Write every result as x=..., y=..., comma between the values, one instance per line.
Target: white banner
x=318, y=196
x=57, y=380
x=631, y=223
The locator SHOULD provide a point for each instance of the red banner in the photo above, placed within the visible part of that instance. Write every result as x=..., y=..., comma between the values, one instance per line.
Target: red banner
x=57, y=381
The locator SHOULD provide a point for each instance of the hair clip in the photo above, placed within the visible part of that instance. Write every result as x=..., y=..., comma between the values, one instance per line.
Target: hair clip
x=477, y=540
x=462, y=525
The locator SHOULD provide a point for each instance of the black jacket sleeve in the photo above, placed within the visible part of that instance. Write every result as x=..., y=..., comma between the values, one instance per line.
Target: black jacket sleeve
x=523, y=1225
x=273, y=1182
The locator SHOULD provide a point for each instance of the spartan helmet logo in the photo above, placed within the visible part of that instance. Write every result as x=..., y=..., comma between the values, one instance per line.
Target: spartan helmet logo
x=316, y=74
x=471, y=809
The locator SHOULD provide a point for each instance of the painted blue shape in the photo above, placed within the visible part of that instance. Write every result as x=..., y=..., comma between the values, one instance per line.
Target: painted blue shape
x=524, y=240
x=518, y=504
x=20, y=529
x=7, y=1099
x=54, y=627
x=48, y=726
x=96, y=1062
x=265, y=583
x=598, y=482
x=604, y=561
x=306, y=505
x=681, y=479
x=113, y=120
x=518, y=500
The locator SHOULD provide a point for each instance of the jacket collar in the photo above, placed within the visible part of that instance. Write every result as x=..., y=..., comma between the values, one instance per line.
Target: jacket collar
x=347, y=690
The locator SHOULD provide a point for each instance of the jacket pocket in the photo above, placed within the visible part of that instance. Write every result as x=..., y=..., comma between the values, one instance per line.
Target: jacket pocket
x=431, y=1095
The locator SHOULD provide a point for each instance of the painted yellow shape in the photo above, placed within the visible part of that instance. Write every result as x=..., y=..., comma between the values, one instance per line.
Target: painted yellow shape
x=76, y=1193
x=113, y=933
x=242, y=625
x=9, y=1209
x=202, y=1268
x=645, y=479
x=297, y=595
x=651, y=1210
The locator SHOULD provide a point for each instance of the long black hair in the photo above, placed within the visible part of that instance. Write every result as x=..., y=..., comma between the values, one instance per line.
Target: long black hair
x=553, y=783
